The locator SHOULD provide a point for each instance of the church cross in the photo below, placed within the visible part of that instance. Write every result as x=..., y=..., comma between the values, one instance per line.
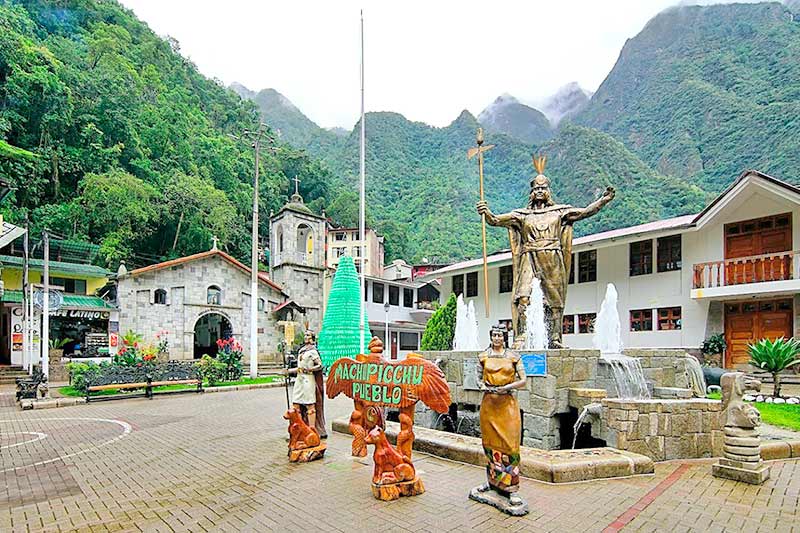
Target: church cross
x=215, y=240
x=296, y=181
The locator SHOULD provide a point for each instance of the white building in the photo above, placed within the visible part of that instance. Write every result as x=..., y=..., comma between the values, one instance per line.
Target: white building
x=405, y=305
x=732, y=269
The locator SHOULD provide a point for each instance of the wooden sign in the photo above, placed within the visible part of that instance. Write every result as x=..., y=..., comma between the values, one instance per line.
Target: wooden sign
x=373, y=382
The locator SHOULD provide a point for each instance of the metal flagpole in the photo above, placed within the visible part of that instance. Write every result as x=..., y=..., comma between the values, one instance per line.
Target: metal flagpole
x=362, y=204
x=45, y=342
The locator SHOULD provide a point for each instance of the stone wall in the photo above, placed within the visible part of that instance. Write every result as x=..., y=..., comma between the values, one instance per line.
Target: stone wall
x=662, y=429
x=546, y=397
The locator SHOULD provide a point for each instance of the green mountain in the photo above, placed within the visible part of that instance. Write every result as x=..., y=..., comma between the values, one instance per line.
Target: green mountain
x=127, y=144
x=508, y=115
x=706, y=92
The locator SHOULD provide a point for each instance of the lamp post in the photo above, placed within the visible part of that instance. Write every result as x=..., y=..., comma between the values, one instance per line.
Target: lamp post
x=386, y=335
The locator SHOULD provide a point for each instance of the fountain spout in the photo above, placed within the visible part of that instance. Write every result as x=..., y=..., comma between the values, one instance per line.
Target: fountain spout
x=592, y=409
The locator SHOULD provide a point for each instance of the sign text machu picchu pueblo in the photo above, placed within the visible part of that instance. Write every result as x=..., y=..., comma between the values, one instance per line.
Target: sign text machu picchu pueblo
x=377, y=383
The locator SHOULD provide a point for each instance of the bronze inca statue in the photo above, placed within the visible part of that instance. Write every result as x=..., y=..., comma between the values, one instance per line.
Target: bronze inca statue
x=541, y=247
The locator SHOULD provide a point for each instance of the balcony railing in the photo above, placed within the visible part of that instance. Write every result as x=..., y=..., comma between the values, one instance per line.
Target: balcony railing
x=776, y=266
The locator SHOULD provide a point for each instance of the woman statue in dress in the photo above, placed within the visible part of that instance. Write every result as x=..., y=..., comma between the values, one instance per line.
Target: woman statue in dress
x=500, y=373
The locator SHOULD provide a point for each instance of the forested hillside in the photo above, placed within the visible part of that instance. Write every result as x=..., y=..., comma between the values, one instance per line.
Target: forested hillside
x=706, y=92
x=110, y=135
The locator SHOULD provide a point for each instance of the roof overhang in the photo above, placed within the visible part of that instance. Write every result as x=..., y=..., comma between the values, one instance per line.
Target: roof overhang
x=749, y=179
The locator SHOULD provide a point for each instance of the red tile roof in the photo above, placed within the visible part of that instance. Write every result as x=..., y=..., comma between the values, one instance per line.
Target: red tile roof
x=202, y=255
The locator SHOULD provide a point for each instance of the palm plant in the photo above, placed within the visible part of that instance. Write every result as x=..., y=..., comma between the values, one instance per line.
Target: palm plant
x=774, y=356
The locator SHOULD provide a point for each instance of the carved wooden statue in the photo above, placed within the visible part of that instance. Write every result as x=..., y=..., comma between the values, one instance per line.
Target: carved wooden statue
x=373, y=383
x=304, y=441
x=742, y=440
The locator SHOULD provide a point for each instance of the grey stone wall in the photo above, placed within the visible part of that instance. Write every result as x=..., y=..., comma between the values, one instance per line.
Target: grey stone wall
x=186, y=285
x=663, y=429
x=546, y=397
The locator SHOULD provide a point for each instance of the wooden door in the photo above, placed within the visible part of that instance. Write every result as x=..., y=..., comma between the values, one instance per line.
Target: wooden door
x=758, y=237
x=747, y=322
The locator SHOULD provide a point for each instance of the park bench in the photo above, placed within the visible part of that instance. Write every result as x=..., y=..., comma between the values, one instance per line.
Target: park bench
x=145, y=377
x=28, y=387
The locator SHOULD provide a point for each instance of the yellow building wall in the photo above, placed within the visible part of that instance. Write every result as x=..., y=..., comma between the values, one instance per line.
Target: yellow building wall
x=12, y=280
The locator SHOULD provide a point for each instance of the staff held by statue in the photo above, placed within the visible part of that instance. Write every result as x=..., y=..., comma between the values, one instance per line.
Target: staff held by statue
x=472, y=152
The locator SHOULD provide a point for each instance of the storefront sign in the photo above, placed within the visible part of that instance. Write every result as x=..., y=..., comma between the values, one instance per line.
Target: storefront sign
x=78, y=313
x=16, y=342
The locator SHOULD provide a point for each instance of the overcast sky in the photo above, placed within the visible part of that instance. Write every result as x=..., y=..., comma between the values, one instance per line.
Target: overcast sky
x=425, y=59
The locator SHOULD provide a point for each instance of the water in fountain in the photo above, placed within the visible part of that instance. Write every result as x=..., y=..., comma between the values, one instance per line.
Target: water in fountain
x=472, y=331
x=589, y=409
x=465, y=337
x=627, y=371
x=607, y=337
x=535, y=326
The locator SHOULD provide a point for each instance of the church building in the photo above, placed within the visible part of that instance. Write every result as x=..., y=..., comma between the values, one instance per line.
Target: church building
x=197, y=300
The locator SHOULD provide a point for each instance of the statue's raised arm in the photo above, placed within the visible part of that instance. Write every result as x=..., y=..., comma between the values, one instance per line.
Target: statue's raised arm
x=578, y=213
x=505, y=220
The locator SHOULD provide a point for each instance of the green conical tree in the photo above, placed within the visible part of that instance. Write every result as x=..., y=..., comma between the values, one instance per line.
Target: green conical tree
x=441, y=327
x=340, y=327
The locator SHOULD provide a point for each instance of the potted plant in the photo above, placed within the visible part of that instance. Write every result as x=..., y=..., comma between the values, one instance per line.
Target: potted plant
x=57, y=348
x=712, y=349
x=775, y=357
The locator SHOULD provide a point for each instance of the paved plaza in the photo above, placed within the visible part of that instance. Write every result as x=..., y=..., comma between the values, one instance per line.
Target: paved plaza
x=217, y=462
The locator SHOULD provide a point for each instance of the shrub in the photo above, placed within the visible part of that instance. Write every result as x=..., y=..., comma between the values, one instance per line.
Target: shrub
x=211, y=370
x=713, y=345
x=441, y=327
x=774, y=357
x=78, y=372
x=134, y=353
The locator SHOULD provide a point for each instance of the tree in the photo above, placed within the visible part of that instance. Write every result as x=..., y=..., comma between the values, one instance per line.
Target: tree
x=341, y=328
x=441, y=327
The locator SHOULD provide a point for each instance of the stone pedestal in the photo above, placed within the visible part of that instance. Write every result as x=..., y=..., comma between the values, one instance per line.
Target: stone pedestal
x=498, y=501
x=394, y=491
x=308, y=454
x=752, y=473
x=742, y=461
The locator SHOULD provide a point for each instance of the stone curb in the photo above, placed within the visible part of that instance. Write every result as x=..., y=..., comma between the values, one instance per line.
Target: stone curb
x=559, y=466
x=784, y=449
x=52, y=403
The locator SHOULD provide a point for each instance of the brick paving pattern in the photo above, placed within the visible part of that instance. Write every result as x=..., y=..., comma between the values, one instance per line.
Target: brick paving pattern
x=217, y=462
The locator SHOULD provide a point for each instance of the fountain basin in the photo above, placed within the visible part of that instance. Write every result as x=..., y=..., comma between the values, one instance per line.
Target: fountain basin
x=560, y=466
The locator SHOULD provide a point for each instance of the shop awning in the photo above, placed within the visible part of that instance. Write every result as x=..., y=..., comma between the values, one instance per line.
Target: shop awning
x=71, y=301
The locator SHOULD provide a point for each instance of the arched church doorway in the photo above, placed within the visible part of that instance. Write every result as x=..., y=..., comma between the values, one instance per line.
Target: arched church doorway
x=208, y=329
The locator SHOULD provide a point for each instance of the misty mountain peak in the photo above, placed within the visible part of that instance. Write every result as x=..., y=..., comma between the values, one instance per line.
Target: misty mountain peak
x=565, y=103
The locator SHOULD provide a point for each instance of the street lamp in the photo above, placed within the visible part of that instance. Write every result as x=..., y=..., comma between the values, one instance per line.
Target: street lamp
x=386, y=335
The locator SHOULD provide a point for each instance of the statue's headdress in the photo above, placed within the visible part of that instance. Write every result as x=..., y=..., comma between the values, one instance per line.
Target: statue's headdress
x=539, y=163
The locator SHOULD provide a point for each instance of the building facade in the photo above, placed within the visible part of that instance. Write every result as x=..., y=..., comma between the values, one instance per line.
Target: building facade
x=396, y=303
x=85, y=323
x=347, y=241
x=733, y=268
x=197, y=300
